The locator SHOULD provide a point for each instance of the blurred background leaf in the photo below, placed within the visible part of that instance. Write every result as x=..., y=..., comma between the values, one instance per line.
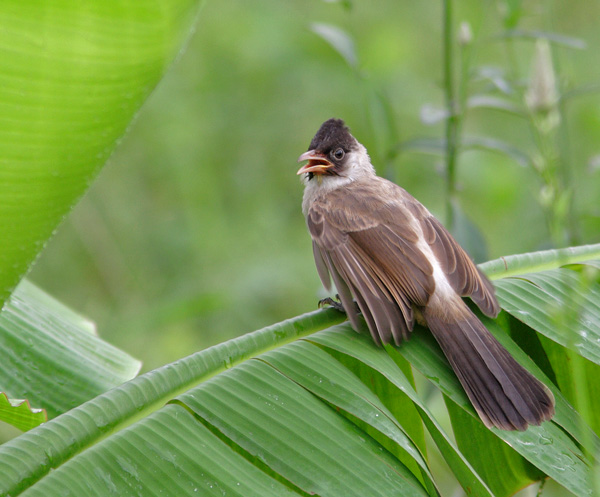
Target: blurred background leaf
x=72, y=77
x=339, y=40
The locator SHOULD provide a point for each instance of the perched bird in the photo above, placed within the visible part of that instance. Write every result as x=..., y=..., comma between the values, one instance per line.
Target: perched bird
x=384, y=248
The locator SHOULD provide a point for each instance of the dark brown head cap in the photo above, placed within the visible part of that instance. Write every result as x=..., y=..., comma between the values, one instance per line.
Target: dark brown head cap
x=332, y=134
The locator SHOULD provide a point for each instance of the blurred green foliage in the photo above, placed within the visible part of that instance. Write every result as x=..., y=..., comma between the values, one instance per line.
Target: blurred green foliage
x=193, y=233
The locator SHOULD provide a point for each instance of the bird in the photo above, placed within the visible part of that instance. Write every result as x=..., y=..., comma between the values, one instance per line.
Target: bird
x=393, y=261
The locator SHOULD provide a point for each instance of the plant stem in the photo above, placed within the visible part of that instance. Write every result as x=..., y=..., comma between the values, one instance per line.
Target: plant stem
x=452, y=122
x=541, y=487
x=554, y=195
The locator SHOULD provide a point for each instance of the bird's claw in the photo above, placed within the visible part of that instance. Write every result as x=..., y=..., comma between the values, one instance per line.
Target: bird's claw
x=336, y=304
x=332, y=303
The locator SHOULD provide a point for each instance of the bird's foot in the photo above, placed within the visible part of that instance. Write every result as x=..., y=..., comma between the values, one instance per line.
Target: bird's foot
x=336, y=304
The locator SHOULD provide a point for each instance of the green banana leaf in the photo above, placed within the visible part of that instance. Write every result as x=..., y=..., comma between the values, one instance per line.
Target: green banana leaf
x=276, y=412
x=73, y=76
x=52, y=357
x=19, y=413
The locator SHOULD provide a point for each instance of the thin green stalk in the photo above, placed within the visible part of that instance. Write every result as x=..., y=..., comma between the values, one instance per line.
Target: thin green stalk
x=452, y=123
x=567, y=172
x=556, y=194
x=563, y=157
x=549, y=131
x=541, y=487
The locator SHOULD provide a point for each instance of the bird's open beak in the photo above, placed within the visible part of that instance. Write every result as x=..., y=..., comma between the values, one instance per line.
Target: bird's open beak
x=317, y=163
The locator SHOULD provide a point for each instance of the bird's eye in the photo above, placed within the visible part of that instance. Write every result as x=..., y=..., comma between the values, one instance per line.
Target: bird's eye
x=339, y=154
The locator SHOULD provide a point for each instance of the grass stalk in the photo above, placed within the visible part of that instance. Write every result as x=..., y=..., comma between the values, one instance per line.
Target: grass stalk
x=452, y=122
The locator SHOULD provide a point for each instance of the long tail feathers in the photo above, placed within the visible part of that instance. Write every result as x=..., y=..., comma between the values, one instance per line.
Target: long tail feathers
x=504, y=393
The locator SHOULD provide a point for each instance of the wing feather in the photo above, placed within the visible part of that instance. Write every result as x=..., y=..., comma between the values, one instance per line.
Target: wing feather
x=322, y=268
x=372, y=297
x=378, y=264
x=464, y=276
x=372, y=247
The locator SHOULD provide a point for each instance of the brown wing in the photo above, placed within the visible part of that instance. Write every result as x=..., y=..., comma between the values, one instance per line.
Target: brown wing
x=464, y=276
x=370, y=251
x=369, y=246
